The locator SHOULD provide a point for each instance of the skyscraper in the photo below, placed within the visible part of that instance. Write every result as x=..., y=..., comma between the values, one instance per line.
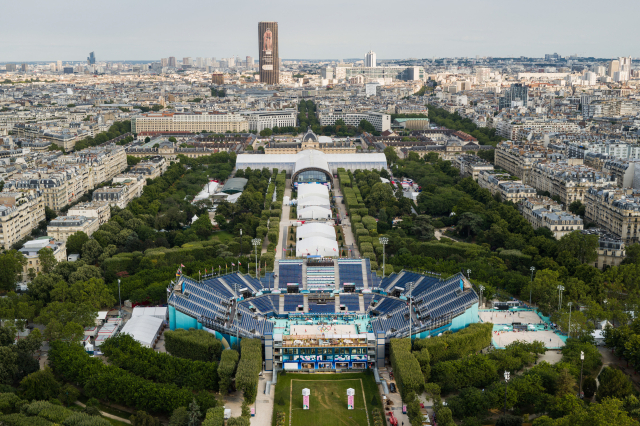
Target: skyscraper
x=249, y=62
x=172, y=61
x=91, y=60
x=269, y=53
x=370, y=59
x=164, y=62
x=517, y=92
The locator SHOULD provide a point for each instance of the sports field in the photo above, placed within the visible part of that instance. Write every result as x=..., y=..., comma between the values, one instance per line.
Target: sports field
x=328, y=399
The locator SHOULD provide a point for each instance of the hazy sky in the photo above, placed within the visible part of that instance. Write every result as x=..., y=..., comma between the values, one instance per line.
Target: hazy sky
x=46, y=30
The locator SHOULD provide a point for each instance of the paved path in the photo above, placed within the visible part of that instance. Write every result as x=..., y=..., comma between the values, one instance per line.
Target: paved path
x=110, y=416
x=284, y=220
x=264, y=403
x=349, y=240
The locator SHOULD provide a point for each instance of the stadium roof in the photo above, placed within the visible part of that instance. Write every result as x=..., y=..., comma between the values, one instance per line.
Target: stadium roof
x=234, y=185
x=317, y=246
x=287, y=162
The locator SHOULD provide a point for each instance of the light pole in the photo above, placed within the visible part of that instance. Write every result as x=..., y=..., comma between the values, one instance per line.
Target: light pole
x=560, y=290
x=481, y=290
x=384, y=241
x=506, y=381
x=410, y=287
x=469, y=274
x=569, y=331
x=581, y=365
x=240, y=242
x=120, y=299
x=256, y=242
x=533, y=269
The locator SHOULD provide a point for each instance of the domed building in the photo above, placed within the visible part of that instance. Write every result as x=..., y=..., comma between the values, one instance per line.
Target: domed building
x=310, y=140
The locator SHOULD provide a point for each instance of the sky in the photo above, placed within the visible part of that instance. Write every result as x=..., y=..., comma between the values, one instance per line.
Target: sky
x=67, y=30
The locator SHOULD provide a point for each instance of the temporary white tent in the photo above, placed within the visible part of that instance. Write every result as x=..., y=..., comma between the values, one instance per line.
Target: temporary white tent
x=309, y=230
x=314, y=200
x=208, y=190
x=320, y=246
x=312, y=189
x=314, y=212
x=151, y=311
x=144, y=329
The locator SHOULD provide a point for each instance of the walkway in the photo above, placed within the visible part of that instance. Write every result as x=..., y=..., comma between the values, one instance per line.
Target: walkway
x=110, y=416
x=349, y=240
x=264, y=403
x=285, y=222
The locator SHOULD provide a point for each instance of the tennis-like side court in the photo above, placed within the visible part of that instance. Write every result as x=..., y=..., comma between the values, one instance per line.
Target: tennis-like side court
x=327, y=399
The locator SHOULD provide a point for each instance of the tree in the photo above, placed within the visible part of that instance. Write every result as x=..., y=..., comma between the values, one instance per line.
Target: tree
x=93, y=292
x=613, y=383
x=577, y=208
x=180, y=417
x=49, y=214
x=194, y=414
x=11, y=266
x=580, y=246
x=91, y=250
x=509, y=420
x=147, y=139
x=566, y=383
x=392, y=156
x=366, y=126
x=470, y=222
x=8, y=365
x=142, y=418
x=422, y=228
x=41, y=385
x=47, y=259
x=266, y=133
x=172, y=139
x=203, y=226
x=589, y=387
x=66, y=320
x=76, y=241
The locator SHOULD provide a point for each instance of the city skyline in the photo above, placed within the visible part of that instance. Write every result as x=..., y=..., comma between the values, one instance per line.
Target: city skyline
x=479, y=31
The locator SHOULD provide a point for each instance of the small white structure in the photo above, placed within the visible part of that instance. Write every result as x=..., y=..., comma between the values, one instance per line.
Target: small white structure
x=350, y=398
x=157, y=312
x=208, y=190
x=305, y=398
x=144, y=329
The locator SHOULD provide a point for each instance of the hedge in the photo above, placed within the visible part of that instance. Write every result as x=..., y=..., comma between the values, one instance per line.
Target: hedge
x=124, y=352
x=215, y=417
x=356, y=218
x=362, y=232
x=71, y=363
x=456, y=345
x=197, y=345
x=406, y=368
x=424, y=359
x=249, y=368
x=370, y=222
x=227, y=368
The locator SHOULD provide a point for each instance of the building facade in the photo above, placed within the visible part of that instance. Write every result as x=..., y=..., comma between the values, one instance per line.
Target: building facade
x=269, y=53
x=20, y=213
x=380, y=121
x=615, y=211
x=62, y=227
x=260, y=120
x=158, y=123
x=544, y=212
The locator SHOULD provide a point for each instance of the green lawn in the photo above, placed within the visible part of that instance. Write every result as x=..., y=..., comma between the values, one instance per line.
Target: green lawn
x=222, y=236
x=328, y=400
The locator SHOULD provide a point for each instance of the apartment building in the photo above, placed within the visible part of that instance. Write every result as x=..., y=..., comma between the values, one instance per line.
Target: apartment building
x=515, y=191
x=62, y=227
x=615, y=149
x=519, y=158
x=544, y=212
x=569, y=183
x=380, y=121
x=20, y=213
x=471, y=166
x=151, y=168
x=520, y=129
x=125, y=188
x=157, y=123
x=491, y=179
x=31, y=250
x=260, y=120
x=100, y=210
x=611, y=250
x=626, y=172
x=615, y=210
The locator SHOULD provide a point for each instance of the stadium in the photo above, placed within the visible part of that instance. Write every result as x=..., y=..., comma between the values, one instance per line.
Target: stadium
x=317, y=310
x=322, y=313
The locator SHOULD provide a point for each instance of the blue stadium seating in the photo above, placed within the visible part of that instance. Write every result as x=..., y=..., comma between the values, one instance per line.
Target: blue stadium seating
x=389, y=304
x=329, y=308
x=386, y=281
x=350, y=272
x=217, y=286
x=291, y=302
x=367, y=300
x=405, y=277
x=351, y=301
x=290, y=272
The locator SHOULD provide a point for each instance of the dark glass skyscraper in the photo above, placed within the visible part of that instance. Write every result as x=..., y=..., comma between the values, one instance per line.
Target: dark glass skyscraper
x=91, y=60
x=269, y=54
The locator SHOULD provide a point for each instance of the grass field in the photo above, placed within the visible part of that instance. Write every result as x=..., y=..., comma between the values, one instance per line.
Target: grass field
x=328, y=400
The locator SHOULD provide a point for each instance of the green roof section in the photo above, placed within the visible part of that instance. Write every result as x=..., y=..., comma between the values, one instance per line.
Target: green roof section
x=234, y=185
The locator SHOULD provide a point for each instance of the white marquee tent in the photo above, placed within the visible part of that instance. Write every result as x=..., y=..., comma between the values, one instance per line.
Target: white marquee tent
x=320, y=246
x=309, y=230
x=314, y=212
x=144, y=329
